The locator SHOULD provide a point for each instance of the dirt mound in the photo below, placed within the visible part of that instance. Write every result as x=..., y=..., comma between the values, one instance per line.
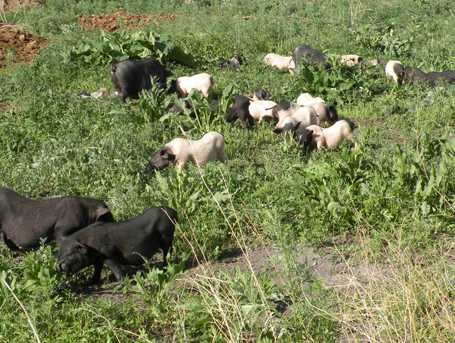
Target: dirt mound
x=22, y=46
x=11, y=5
x=120, y=19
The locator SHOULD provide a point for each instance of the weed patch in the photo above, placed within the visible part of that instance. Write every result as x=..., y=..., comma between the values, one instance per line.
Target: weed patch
x=122, y=45
x=274, y=244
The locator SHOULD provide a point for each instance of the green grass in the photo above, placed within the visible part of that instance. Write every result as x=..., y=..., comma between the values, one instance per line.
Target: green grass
x=389, y=204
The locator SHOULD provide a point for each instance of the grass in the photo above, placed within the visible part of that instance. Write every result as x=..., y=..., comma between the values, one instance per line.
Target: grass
x=383, y=214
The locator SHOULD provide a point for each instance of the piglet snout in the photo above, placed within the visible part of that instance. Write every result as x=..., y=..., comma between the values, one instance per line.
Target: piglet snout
x=150, y=169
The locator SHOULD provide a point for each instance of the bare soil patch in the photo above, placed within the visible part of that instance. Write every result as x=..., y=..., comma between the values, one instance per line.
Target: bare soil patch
x=12, y=5
x=331, y=270
x=121, y=19
x=22, y=46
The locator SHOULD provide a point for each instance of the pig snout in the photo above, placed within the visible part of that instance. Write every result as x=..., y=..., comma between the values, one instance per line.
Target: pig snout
x=150, y=169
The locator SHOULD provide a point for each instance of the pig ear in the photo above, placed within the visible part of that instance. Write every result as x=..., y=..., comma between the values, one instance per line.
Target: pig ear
x=273, y=108
x=316, y=134
x=165, y=153
x=275, y=111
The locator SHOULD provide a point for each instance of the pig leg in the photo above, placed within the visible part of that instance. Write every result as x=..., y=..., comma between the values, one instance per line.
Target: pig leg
x=10, y=244
x=320, y=143
x=123, y=95
x=115, y=268
x=96, y=279
x=181, y=163
x=352, y=139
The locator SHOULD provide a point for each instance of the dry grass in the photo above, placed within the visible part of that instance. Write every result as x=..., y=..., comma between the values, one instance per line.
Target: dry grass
x=220, y=299
x=414, y=303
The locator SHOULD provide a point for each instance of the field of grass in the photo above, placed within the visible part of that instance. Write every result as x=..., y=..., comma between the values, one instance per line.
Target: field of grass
x=346, y=245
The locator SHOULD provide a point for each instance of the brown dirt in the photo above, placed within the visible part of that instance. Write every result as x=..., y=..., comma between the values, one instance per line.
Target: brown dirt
x=23, y=46
x=117, y=20
x=12, y=5
x=329, y=269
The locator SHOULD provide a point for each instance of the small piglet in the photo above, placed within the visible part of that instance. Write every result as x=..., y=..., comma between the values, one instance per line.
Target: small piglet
x=260, y=94
x=291, y=115
x=233, y=63
x=408, y=75
x=239, y=110
x=130, y=77
x=314, y=136
x=394, y=70
x=261, y=110
x=117, y=244
x=283, y=63
x=24, y=222
x=351, y=60
x=306, y=99
x=441, y=77
x=202, y=82
x=181, y=150
x=309, y=55
x=326, y=113
x=260, y=107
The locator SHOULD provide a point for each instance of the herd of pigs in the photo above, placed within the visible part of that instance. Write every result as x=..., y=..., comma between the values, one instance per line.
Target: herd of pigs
x=84, y=229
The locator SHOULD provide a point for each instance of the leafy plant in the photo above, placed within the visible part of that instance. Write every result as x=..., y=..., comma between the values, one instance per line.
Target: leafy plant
x=339, y=84
x=392, y=197
x=122, y=45
x=383, y=41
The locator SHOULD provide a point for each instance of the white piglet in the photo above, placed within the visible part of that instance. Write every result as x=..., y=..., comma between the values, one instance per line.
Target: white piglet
x=283, y=63
x=394, y=70
x=202, y=82
x=326, y=113
x=351, y=60
x=261, y=109
x=291, y=115
x=306, y=99
x=314, y=136
x=181, y=150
